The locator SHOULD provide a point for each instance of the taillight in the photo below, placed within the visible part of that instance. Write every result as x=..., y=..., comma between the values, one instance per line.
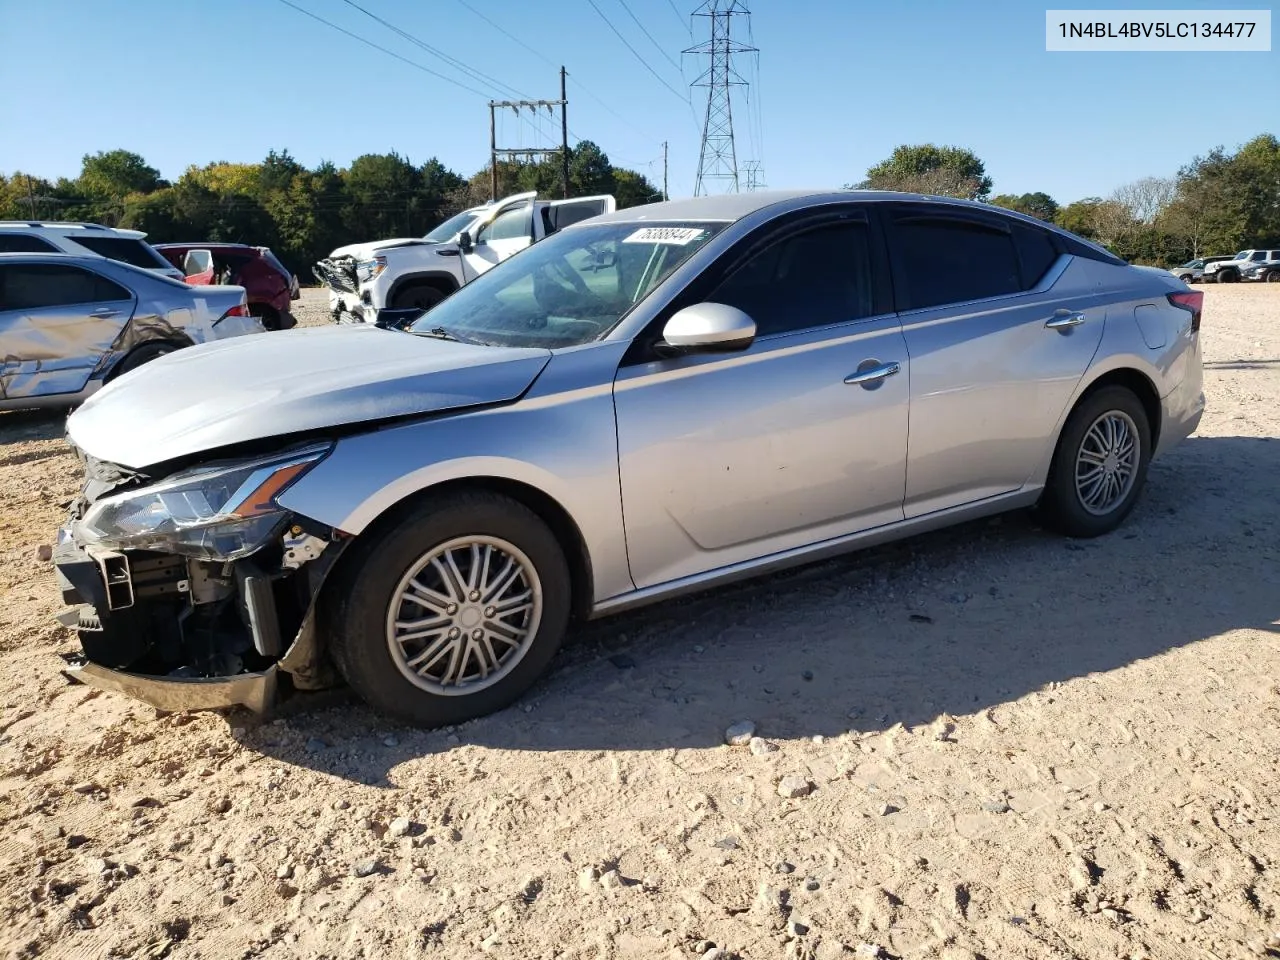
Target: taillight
x=239, y=310
x=1192, y=301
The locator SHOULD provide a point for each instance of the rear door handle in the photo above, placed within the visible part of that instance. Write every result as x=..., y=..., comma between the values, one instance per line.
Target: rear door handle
x=1064, y=319
x=873, y=375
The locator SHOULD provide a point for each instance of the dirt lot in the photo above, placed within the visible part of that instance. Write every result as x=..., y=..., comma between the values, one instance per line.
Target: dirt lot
x=1017, y=747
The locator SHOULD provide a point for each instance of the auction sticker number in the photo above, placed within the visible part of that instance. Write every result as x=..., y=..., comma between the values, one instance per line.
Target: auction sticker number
x=680, y=236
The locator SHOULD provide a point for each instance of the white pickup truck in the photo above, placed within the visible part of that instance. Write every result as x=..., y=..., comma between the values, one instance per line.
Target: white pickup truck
x=410, y=272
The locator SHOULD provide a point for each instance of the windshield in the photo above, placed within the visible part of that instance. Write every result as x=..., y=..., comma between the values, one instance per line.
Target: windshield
x=452, y=227
x=1243, y=255
x=569, y=289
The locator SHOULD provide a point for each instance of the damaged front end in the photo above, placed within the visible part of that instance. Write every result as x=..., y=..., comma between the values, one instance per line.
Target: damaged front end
x=196, y=590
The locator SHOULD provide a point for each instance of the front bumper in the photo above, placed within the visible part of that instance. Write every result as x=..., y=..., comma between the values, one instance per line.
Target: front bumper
x=185, y=635
x=253, y=691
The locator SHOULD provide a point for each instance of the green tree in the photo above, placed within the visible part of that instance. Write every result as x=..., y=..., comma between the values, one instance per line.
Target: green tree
x=1039, y=205
x=929, y=169
x=114, y=174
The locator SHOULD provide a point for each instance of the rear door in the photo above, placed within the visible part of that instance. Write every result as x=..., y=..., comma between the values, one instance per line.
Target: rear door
x=56, y=322
x=995, y=353
x=563, y=213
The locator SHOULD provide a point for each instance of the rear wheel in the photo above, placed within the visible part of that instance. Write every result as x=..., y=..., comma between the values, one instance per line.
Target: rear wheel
x=1100, y=464
x=270, y=319
x=143, y=354
x=1272, y=276
x=420, y=296
x=452, y=612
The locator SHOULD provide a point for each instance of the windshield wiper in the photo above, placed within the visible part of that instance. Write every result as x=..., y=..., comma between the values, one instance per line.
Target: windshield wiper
x=440, y=333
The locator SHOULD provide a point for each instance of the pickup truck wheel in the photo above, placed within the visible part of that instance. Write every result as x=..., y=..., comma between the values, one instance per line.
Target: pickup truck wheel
x=452, y=612
x=421, y=296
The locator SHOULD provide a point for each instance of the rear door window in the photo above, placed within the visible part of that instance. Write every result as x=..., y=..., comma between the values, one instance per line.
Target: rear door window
x=31, y=286
x=124, y=249
x=941, y=258
x=24, y=243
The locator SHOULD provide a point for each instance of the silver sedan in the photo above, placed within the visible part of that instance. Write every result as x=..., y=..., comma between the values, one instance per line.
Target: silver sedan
x=644, y=404
x=69, y=324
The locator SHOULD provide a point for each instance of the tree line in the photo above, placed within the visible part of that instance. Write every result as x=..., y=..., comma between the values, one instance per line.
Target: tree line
x=301, y=213
x=1216, y=204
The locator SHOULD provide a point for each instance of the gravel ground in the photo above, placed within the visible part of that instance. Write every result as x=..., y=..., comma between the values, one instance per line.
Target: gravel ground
x=987, y=742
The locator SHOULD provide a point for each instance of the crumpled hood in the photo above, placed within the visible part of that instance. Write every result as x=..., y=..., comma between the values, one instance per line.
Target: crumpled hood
x=364, y=251
x=249, y=388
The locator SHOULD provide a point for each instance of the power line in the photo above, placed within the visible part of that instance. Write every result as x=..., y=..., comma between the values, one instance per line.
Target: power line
x=390, y=53
x=455, y=63
x=685, y=23
x=650, y=36
x=642, y=60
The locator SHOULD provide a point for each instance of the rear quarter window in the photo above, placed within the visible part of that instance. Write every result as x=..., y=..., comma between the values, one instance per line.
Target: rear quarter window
x=1036, y=253
x=124, y=249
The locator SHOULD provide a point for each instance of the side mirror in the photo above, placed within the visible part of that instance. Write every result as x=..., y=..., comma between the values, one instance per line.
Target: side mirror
x=707, y=328
x=465, y=242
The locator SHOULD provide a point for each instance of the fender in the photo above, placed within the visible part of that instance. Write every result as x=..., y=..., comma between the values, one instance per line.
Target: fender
x=435, y=278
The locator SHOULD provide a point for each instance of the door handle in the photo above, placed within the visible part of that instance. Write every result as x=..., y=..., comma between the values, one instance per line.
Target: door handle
x=1064, y=319
x=103, y=313
x=873, y=375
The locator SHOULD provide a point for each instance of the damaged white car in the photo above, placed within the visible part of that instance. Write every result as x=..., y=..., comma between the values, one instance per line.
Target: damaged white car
x=70, y=324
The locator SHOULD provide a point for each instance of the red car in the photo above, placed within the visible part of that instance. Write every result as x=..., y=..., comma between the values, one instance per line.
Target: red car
x=269, y=285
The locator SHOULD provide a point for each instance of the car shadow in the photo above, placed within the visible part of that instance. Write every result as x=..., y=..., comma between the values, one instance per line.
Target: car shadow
x=948, y=623
x=24, y=426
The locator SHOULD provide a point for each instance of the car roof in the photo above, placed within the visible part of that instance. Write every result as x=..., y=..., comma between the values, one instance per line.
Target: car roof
x=66, y=227
x=206, y=245
x=730, y=207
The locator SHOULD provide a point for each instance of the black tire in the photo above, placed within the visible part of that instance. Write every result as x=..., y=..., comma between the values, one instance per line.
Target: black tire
x=1062, y=504
x=1272, y=276
x=359, y=606
x=1227, y=276
x=143, y=354
x=420, y=296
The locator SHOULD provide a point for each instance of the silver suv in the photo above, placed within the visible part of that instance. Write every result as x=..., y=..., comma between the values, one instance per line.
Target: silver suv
x=81, y=239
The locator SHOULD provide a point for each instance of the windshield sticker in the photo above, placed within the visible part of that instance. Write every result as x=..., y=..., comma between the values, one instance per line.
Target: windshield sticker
x=680, y=236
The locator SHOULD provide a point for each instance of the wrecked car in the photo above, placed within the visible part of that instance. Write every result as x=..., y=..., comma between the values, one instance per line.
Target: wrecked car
x=70, y=324
x=642, y=405
x=267, y=282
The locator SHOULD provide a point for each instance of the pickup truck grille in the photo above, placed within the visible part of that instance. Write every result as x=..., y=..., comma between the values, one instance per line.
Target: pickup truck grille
x=338, y=273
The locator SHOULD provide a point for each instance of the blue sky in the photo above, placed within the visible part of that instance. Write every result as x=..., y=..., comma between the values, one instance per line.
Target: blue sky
x=840, y=84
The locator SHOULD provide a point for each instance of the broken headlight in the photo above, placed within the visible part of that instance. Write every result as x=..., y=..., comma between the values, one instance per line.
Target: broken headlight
x=222, y=512
x=366, y=270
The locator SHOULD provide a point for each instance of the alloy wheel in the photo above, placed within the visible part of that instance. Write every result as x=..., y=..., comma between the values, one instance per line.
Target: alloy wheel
x=1107, y=462
x=464, y=615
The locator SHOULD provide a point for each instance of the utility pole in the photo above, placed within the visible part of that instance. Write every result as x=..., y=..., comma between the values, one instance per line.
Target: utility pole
x=665, y=195
x=529, y=153
x=564, y=133
x=718, y=158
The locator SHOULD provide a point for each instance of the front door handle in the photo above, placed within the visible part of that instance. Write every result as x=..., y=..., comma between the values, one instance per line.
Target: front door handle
x=872, y=376
x=1064, y=319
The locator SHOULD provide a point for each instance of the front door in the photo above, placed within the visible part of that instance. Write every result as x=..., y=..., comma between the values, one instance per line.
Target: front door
x=726, y=458
x=508, y=231
x=56, y=322
x=996, y=353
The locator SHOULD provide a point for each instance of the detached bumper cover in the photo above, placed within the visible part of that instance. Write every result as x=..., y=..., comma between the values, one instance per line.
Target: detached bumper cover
x=254, y=691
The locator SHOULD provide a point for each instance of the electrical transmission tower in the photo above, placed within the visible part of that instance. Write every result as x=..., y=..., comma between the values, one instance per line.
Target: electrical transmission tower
x=755, y=176
x=718, y=158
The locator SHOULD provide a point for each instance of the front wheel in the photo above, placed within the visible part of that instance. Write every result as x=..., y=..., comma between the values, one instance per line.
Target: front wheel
x=1227, y=276
x=1100, y=464
x=453, y=612
x=420, y=297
